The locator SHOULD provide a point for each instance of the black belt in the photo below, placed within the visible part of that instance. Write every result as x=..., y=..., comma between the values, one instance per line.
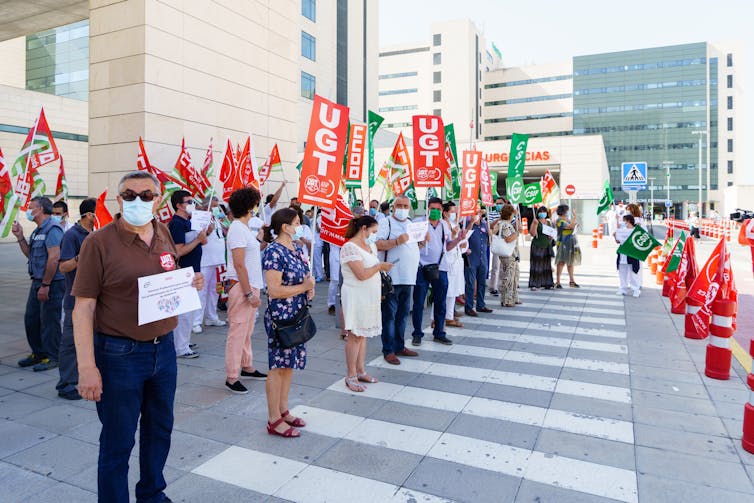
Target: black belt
x=156, y=340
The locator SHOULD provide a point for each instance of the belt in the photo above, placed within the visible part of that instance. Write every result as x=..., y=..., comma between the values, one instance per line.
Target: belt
x=156, y=340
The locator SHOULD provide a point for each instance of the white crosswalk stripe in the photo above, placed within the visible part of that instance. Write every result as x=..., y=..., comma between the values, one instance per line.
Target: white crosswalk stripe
x=538, y=339
x=519, y=380
x=561, y=317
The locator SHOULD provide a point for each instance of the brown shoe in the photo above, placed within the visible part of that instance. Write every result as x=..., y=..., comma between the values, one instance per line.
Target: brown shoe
x=331, y=310
x=432, y=325
x=407, y=352
x=484, y=310
x=471, y=312
x=392, y=359
x=453, y=323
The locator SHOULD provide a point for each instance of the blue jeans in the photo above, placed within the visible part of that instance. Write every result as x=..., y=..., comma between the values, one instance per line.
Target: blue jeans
x=68, y=368
x=42, y=320
x=394, y=316
x=439, y=292
x=138, y=379
x=475, y=277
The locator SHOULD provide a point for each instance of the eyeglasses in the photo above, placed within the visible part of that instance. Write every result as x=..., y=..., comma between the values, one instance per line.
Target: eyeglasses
x=146, y=196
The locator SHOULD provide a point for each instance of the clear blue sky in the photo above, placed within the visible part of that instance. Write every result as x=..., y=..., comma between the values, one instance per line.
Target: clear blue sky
x=545, y=31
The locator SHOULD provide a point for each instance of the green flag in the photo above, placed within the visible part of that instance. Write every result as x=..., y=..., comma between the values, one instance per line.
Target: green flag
x=532, y=194
x=431, y=192
x=639, y=244
x=453, y=174
x=514, y=189
x=411, y=195
x=517, y=156
x=606, y=199
x=373, y=123
x=493, y=183
x=298, y=166
x=675, y=257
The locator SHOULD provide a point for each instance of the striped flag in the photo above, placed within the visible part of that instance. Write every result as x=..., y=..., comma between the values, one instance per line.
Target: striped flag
x=8, y=199
x=38, y=149
x=271, y=164
x=61, y=187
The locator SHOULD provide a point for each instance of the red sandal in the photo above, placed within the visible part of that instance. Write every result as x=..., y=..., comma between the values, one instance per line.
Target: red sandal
x=297, y=421
x=289, y=433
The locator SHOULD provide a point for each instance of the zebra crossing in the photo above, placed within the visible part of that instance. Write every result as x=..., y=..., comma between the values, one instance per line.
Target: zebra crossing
x=541, y=341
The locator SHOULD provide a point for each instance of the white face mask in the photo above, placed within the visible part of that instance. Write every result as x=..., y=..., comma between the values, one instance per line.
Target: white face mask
x=401, y=213
x=371, y=238
x=190, y=208
x=452, y=217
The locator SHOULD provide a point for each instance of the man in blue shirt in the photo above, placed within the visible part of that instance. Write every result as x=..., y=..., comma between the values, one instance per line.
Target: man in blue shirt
x=475, y=265
x=393, y=246
x=187, y=243
x=69, y=260
x=433, y=270
x=42, y=319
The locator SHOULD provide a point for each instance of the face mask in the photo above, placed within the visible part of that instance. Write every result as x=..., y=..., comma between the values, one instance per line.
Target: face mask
x=190, y=208
x=498, y=207
x=372, y=211
x=371, y=238
x=137, y=212
x=57, y=218
x=453, y=218
x=401, y=213
x=298, y=233
x=542, y=215
x=30, y=215
x=435, y=214
x=217, y=212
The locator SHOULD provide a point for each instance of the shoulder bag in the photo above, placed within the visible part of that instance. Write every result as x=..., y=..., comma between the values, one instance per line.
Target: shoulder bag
x=500, y=247
x=296, y=331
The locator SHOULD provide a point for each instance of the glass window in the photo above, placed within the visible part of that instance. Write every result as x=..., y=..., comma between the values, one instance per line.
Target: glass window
x=730, y=59
x=730, y=123
x=437, y=39
x=398, y=75
x=308, y=85
x=437, y=58
x=437, y=112
x=730, y=144
x=437, y=77
x=730, y=102
x=730, y=81
x=730, y=167
x=399, y=108
x=398, y=91
x=57, y=61
x=308, y=46
x=309, y=9
x=436, y=96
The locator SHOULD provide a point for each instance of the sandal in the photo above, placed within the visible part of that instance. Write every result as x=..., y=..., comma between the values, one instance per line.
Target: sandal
x=573, y=284
x=297, y=421
x=366, y=378
x=291, y=432
x=558, y=285
x=352, y=383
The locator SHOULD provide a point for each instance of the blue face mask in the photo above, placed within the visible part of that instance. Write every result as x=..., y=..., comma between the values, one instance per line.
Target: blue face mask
x=137, y=212
x=30, y=215
x=299, y=233
x=217, y=212
x=542, y=215
x=372, y=211
x=57, y=219
x=498, y=207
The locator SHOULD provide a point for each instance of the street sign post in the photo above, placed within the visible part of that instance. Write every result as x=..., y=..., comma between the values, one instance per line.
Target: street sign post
x=570, y=189
x=634, y=176
x=668, y=204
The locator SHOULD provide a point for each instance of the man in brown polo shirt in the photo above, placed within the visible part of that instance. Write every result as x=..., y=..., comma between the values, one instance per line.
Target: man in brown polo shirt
x=129, y=370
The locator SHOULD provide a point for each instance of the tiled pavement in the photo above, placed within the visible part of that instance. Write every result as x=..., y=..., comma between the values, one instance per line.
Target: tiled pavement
x=576, y=395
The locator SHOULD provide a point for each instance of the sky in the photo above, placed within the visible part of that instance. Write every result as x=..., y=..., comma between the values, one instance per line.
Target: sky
x=548, y=31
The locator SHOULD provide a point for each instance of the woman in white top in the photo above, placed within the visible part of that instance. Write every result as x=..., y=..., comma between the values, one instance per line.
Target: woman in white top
x=245, y=277
x=361, y=296
x=213, y=256
x=454, y=260
x=635, y=211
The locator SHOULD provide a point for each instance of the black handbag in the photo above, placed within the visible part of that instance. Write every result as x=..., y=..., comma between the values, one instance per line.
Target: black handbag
x=431, y=272
x=295, y=331
x=387, y=284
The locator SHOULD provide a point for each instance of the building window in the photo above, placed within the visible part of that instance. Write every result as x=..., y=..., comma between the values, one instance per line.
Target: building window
x=730, y=81
x=730, y=59
x=730, y=144
x=308, y=85
x=308, y=46
x=309, y=9
x=437, y=112
x=398, y=75
x=398, y=91
x=437, y=58
x=437, y=77
x=730, y=167
x=399, y=108
x=437, y=39
x=730, y=102
x=57, y=61
x=437, y=96
x=730, y=123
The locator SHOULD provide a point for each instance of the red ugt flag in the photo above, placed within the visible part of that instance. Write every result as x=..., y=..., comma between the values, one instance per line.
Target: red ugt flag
x=429, y=150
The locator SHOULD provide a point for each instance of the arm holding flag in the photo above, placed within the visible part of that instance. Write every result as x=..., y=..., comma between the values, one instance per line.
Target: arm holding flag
x=18, y=231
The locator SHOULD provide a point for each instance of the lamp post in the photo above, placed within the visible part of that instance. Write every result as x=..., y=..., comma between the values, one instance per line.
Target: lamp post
x=700, y=132
x=667, y=184
x=651, y=203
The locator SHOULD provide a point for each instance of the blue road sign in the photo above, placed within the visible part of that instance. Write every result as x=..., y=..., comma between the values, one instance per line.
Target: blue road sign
x=668, y=203
x=634, y=175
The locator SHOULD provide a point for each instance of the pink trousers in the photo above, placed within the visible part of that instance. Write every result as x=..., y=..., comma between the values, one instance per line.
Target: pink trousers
x=240, y=325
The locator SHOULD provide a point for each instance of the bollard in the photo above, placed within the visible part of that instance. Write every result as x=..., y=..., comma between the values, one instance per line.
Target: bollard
x=690, y=329
x=659, y=276
x=525, y=226
x=727, y=233
x=720, y=332
x=747, y=441
x=601, y=231
x=594, y=238
x=652, y=261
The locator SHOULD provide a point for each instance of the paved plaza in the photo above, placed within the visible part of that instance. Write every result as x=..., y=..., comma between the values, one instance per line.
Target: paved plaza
x=574, y=396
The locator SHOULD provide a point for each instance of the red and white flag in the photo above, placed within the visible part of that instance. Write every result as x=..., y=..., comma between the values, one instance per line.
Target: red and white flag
x=335, y=221
x=472, y=164
x=322, y=166
x=429, y=151
x=683, y=277
x=185, y=171
x=38, y=149
x=229, y=172
x=272, y=163
x=61, y=187
x=247, y=166
x=102, y=215
x=746, y=233
x=399, y=167
x=486, y=184
x=355, y=158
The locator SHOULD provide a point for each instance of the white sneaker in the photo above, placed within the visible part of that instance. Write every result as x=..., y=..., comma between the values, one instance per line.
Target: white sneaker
x=214, y=323
x=189, y=354
x=197, y=329
x=637, y=293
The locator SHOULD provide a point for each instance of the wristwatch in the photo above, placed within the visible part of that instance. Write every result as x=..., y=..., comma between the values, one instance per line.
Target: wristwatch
x=250, y=295
x=45, y=285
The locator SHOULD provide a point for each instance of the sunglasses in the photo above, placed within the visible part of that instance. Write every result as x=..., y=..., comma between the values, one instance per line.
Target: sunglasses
x=146, y=196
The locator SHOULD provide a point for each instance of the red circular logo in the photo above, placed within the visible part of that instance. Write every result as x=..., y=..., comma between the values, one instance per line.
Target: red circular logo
x=570, y=189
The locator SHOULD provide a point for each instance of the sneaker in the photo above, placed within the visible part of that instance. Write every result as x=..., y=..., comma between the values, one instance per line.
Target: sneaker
x=189, y=354
x=30, y=360
x=416, y=341
x=443, y=340
x=69, y=395
x=45, y=364
x=637, y=293
x=254, y=375
x=495, y=293
x=215, y=323
x=192, y=345
x=197, y=329
x=236, y=388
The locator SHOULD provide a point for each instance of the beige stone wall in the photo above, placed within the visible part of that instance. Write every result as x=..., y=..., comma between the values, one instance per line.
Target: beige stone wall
x=167, y=69
x=13, y=57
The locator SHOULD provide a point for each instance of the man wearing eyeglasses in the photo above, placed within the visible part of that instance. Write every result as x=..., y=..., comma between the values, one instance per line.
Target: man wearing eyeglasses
x=129, y=370
x=188, y=243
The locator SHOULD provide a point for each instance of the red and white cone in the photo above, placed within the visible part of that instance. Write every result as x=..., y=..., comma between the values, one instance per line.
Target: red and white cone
x=720, y=332
x=691, y=330
x=747, y=441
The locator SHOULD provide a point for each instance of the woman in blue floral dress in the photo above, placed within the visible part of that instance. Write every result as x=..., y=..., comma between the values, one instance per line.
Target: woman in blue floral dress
x=289, y=286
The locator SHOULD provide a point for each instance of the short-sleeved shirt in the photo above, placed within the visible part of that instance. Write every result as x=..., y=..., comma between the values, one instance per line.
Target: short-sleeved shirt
x=69, y=249
x=479, y=243
x=241, y=236
x=267, y=212
x=433, y=251
x=180, y=230
x=407, y=254
x=49, y=234
x=213, y=253
x=111, y=261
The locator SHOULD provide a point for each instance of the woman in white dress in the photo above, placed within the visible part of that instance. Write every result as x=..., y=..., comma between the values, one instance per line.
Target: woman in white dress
x=361, y=296
x=635, y=211
x=454, y=261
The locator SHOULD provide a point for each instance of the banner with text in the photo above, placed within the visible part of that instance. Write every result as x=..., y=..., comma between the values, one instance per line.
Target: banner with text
x=374, y=124
x=429, y=151
x=472, y=165
x=355, y=162
x=335, y=221
x=517, y=156
x=486, y=185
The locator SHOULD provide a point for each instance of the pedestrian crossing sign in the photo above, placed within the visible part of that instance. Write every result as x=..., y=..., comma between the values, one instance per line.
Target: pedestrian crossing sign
x=634, y=175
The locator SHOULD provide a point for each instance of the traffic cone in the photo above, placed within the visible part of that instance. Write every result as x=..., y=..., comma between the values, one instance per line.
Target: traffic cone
x=652, y=261
x=659, y=276
x=594, y=238
x=691, y=330
x=747, y=441
x=720, y=332
x=525, y=226
x=602, y=232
